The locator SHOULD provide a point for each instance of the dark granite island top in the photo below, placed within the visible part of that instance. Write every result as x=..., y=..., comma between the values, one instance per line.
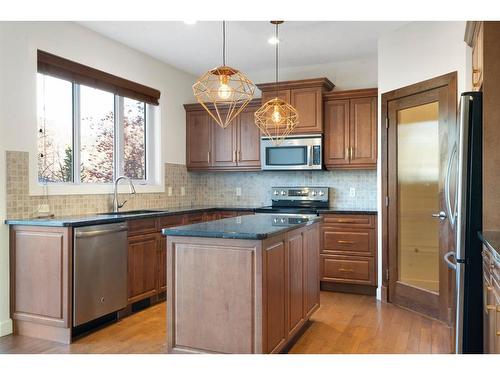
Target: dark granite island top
x=255, y=227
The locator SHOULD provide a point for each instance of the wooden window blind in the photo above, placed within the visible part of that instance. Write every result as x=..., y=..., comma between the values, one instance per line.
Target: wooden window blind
x=78, y=73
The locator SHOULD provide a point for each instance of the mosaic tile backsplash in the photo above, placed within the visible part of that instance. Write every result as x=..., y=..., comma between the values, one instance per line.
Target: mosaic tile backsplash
x=201, y=188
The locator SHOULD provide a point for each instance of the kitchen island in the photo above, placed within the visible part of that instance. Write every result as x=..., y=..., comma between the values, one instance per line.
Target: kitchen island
x=241, y=285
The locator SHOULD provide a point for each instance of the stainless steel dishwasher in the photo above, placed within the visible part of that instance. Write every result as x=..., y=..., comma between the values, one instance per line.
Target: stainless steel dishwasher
x=99, y=271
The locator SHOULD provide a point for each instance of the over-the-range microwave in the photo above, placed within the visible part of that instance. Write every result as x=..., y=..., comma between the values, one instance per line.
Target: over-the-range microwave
x=296, y=152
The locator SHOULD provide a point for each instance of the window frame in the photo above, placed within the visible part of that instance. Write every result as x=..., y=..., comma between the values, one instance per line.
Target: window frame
x=150, y=163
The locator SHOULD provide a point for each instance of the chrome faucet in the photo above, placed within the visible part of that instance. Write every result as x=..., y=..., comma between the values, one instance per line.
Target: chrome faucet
x=116, y=205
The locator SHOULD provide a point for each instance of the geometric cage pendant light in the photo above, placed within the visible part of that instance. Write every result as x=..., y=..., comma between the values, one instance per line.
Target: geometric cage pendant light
x=276, y=118
x=223, y=91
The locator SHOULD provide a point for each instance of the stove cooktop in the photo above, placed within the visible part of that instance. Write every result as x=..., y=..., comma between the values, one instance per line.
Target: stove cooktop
x=288, y=210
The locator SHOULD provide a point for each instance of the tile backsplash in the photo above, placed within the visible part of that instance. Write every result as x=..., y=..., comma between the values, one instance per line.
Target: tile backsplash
x=201, y=188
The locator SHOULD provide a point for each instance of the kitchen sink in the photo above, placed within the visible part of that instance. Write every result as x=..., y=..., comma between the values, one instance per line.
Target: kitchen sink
x=133, y=212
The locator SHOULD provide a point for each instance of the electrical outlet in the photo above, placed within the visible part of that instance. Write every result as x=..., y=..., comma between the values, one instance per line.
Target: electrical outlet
x=169, y=191
x=183, y=190
x=238, y=192
x=43, y=208
x=352, y=192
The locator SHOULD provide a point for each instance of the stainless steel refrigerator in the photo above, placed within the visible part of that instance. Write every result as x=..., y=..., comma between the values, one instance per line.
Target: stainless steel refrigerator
x=465, y=213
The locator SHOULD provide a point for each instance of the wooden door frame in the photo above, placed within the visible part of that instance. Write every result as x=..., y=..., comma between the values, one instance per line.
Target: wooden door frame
x=450, y=82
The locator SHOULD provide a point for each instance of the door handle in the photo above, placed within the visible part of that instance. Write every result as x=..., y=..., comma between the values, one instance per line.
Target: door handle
x=449, y=263
x=441, y=215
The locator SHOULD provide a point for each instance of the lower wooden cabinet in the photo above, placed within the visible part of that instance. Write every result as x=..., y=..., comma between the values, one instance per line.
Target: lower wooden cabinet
x=142, y=266
x=491, y=302
x=348, y=251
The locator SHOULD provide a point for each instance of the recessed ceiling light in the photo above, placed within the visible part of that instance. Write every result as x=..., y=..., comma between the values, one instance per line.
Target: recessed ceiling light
x=273, y=40
x=190, y=22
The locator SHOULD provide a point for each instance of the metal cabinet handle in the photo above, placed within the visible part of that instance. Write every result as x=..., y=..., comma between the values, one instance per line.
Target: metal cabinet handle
x=234, y=156
x=449, y=263
x=208, y=157
x=346, y=242
x=345, y=269
x=238, y=159
x=350, y=153
x=346, y=221
x=441, y=215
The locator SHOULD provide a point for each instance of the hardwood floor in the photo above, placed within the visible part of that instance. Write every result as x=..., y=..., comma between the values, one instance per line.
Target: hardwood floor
x=345, y=323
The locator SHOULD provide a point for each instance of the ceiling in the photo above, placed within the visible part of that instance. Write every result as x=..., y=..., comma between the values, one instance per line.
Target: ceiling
x=195, y=48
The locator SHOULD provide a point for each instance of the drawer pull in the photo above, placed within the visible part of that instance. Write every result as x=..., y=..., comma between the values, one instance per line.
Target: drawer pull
x=346, y=221
x=346, y=269
x=346, y=242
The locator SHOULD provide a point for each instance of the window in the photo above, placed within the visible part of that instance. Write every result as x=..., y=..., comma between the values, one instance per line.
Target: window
x=102, y=133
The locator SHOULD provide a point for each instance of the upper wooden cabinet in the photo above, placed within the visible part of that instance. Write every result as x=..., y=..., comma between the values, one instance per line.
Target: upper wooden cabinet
x=210, y=147
x=474, y=36
x=305, y=96
x=351, y=129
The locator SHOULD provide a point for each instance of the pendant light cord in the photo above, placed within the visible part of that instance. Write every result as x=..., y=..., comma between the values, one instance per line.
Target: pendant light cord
x=277, y=59
x=223, y=43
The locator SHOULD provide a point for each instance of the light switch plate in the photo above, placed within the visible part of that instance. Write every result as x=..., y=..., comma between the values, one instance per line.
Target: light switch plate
x=169, y=191
x=43, y=208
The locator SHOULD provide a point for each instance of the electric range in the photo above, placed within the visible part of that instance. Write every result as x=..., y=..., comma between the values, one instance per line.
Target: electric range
x=301, y=200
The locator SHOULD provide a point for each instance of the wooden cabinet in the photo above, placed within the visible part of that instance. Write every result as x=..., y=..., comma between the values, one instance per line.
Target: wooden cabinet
x=142, y=266
x=306, y=96
x=351, y=129
x=348, y=251
x=476, y=29
x=491, y=302
x=210, y=147
x=199, y=127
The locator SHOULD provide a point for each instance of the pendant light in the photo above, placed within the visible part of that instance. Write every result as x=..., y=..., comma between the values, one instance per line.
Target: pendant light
x=276, y=118
x=223, y=91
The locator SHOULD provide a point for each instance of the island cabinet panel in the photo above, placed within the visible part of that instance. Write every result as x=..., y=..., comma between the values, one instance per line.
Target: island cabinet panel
x=275, y=289
x=311, y=270
x=41, y=272
x=142, y=266
x=241, y=296
x=295, y=276
x=491, y=301
x=213, y=308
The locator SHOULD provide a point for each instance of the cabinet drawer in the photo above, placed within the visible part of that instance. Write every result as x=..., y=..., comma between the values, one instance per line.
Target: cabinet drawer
x=353, y=270
x=171, y=221
x=195, y=218
x=142, y=226
x=351, y=221
x=348, y=241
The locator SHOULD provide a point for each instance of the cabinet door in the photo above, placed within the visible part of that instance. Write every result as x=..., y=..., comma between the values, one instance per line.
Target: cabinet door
x=282, y=94
x=363, y=132
x=311, y=269
x=198, y=142
x=336, y=133
x=224, y=144
x=477, y=59
x=248, y=140
x=295, y=262
x=142, y=266
x=309, y=103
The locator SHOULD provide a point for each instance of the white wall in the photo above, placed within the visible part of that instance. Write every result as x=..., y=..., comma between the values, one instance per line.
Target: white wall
x=18, y=44
x=414, y=53
x=351, y=74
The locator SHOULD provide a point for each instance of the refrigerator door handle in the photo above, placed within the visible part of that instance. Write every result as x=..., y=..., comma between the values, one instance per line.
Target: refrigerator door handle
x=451, y=215
x=447, y=258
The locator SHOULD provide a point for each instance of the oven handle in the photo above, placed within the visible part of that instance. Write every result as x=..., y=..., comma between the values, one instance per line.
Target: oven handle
x=310, y=148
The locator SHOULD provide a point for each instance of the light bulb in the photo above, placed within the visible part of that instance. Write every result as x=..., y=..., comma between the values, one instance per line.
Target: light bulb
x=224, y=91
x=276, y=116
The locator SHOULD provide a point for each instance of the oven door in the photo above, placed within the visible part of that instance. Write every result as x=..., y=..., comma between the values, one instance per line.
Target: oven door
x=295, y=153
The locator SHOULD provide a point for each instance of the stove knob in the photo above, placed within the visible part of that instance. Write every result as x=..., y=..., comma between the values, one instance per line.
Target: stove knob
x=283, y=192
x=275, y=220
x=313, y=193
x=283, y=220
x=321, y=193
x=276, y=192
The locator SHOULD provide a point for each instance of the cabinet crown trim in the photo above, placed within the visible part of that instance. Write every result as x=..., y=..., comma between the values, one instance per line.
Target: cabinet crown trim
x=351, y=94
x=323, y=82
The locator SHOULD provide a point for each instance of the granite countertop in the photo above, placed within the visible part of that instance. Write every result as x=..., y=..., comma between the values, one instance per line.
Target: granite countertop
x=95, y=219
x=491, y=239
x=252, y=227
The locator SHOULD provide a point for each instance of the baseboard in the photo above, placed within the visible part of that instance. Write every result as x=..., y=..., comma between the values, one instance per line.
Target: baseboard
x=5, y=327
x=348, y=288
